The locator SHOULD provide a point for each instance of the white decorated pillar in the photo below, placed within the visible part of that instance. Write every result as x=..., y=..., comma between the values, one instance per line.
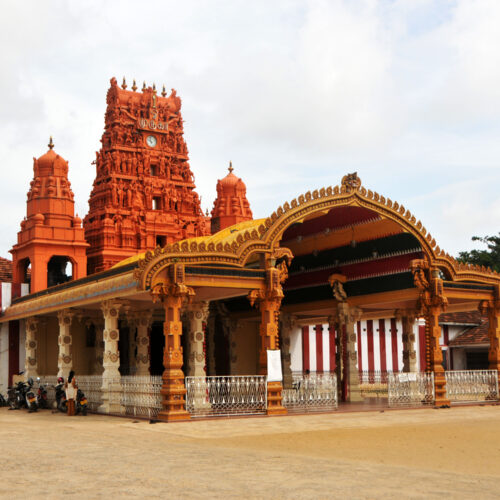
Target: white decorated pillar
x=111, y=385
x=31, y=363
x=65, y=341
x=197, y=314
x=142, y=360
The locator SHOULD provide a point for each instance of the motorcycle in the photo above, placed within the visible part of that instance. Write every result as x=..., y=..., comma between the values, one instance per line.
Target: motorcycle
x=22, y=396
x=81, y=403
x=41, y=396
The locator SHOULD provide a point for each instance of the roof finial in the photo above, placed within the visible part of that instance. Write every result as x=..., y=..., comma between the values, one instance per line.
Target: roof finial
x=51, y=143
x=164, y=92
x=154, y=87
x=124, y=84
x=134, y=86
x=143, y=86
x=230, y=167
x=207, y=214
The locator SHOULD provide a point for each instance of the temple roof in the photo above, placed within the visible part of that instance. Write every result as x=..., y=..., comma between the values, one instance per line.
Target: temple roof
x=473, y=336
x=227, y=235
x=5, y=270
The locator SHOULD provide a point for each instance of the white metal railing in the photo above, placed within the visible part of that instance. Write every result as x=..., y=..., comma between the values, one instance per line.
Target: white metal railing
x=91, y=387
x=373, y=384
x=226, y=395
x=410, y=389
x=141, y=395
x=313, y=392
x=472, y=385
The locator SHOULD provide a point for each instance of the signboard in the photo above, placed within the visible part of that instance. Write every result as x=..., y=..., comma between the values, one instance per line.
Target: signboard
x=274, y=373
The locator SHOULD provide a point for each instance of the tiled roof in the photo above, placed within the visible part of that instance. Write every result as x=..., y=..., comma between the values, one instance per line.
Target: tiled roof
x=5, y=270
x=461, y=318
x=474, y=335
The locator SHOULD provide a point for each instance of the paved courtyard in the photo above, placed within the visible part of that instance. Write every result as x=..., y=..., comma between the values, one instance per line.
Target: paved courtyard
x=427, y=453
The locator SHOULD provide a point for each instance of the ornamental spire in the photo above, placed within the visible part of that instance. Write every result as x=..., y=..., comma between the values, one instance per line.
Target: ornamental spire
x=51, y=143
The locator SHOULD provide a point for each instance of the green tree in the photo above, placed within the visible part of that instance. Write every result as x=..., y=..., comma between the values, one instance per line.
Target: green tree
x=489, y=257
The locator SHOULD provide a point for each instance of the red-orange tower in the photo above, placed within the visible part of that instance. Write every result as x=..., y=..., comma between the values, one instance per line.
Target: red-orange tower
x=231, y=205
x=143, y=193
x=51, y=237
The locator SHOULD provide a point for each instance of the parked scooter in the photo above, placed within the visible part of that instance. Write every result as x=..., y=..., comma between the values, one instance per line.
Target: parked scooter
x=61, y=403
x=81, y=403
x=41, y=396
x=3, y=401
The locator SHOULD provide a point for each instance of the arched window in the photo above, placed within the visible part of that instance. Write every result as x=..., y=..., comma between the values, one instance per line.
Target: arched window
x=59, y=270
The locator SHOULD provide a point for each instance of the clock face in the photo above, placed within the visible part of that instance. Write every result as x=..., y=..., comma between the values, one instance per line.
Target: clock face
x=151, y=141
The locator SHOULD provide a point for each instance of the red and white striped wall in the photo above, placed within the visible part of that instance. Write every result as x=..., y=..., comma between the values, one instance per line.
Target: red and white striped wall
x=379, y=346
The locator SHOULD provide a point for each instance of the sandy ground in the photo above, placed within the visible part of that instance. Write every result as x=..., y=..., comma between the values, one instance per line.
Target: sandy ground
x=451, y=453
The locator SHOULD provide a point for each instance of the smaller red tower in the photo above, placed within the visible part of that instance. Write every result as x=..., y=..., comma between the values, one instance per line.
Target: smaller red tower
x=231, y=205
x=51, y=237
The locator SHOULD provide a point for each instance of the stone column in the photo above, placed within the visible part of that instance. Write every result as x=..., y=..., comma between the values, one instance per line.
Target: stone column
x=335, y=327
x=211, y=344
x=348, y=317
x=197, y=314
x=287, y=325
x=65, y=358
x=111, y=385
x=31, y=364
x=436, y=354
x=132, y=343
x=142, y=360
x=409, y=354
x=99, y=347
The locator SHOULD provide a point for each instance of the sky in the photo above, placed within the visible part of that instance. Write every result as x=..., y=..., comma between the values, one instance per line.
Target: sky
x=295, y=93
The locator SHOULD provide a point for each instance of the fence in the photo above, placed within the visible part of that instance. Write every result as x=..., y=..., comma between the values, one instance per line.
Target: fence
x=314, y=392
x=231, y=395
x=373, y=384
x=410, y=389
x=472, y=385
x=141, y=395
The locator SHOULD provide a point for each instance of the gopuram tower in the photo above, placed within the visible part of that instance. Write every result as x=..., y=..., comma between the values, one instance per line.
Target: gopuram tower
x=144, y=192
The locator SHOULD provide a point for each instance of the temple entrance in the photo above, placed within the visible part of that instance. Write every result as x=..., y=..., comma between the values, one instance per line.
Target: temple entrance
x=157, y=344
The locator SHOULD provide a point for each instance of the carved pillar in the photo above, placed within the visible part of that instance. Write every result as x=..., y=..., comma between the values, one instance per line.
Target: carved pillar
x=432, y=321
x=99, y=347
x=111, y=385
x=432, y=302
x=142, y=360
x=173, y=389
x=287, y=325
x=197, y=315
x=31, y=364
x=234, y=325
x=336, y=327
x=347, y=318
x=211, y=344
x=65, y=358
x=409, y=354
x=269, y=301
x=492, y=309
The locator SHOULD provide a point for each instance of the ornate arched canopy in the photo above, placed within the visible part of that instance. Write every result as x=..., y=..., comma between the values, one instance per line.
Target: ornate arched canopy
x=245, y=243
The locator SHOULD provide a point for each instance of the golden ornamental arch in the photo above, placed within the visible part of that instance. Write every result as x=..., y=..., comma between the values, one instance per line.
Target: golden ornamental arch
x=266, y=236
